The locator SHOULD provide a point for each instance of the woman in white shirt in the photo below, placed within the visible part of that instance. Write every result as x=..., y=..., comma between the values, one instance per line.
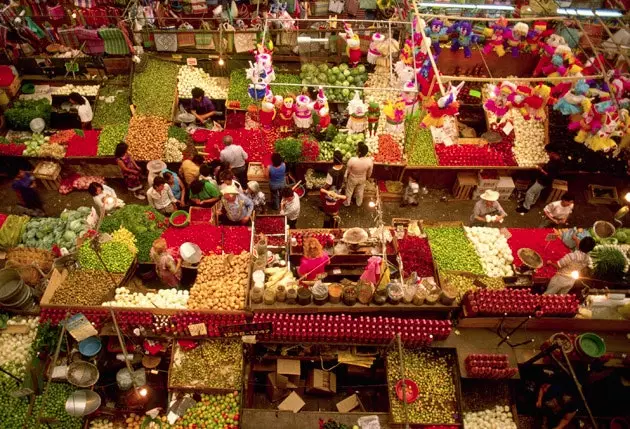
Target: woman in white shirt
x=104, y=197
x=84, y=109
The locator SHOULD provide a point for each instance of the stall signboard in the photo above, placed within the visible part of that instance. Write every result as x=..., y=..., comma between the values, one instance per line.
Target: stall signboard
x=245, y=329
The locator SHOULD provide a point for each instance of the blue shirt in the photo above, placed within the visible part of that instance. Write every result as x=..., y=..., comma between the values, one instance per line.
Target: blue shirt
x=202, y=107
x=277, y=175
x=175, y=188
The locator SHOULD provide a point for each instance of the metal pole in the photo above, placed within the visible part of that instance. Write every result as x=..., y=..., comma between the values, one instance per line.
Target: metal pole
x=472, y=18
x=522, y=79
x=359, y=88
x=391, y=61
x=619, y=48
x=579, y=387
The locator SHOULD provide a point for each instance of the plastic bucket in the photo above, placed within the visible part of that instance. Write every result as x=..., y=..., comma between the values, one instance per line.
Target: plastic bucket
x=591, y=345
x=90, y=346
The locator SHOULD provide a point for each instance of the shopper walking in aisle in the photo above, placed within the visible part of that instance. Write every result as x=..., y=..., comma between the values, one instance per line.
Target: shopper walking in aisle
x=290, y=206
x=130, y=170
x=545, y=177
x=160, y=197
x=29, y=201
x=236, y=157
x=558, y=212
x=189, y=169
x=357, y=174
x=487, y=210
x=412, y=192
x=168, y=271
x=237, y=208
x=331, y=203
x=570, y=264
x=83, y=109
x=201, y=106
x=176, y=184
x=204, y=193
x=104, y=197
x=277, y=175
x=336, y=174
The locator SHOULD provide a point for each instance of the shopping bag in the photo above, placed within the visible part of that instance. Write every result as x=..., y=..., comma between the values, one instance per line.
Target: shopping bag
x=244, y=42
x=165, y=42
x=336, y=6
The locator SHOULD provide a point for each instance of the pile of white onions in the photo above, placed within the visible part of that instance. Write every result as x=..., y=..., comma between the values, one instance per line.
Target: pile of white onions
x=529, y=141
x=493, y=250
x=498, y=417
x=194, y=77
x=173, y=150
x=164, y=298
x=85, y=90
x=15, y=349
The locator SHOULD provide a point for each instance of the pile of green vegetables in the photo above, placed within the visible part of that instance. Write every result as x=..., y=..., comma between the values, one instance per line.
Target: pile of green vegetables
x=109, y=138
x=154, y=89
x=115, y=257
x=622, y=235
x=34, y=144
x=290, y=148
x=144, y=222
x=63, y=231
x=609, y=262
x=12, y=230
x=341, y=75
x=178, y=133
x=112, y=106
x=20, y=115
x=419, y=142
x=347, y=144
x=452, y=251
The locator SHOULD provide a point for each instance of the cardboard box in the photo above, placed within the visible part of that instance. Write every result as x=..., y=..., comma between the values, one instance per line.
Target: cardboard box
x=348, y=404
x=319, y=381
x=292, y=403
x=290, y=368
x=276, y=386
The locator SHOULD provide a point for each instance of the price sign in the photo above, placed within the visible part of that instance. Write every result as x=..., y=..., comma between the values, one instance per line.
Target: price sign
x=245, y=329
x=80, y=328
x=197, y=329
x=474, y=93
x=191, y=61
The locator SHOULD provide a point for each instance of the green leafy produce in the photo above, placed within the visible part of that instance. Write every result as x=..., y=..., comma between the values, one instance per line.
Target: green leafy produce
x=20, y=115
x=46, y=338
x=112, y=106
x=12, y=230
x=115, y=257
x=34, y=144
x=623, y=235
x=109, y=138
x=419, y=142
x=326, y=151
x=342, y=75
x=331, y=132
x=284, y=90
x=290, y=148
x=238, y=88
x=221, y=410
x=62, y=231
x=154, y=89
x=609, y=262
x=452, y=251
x=178, y=133
x=347, y=144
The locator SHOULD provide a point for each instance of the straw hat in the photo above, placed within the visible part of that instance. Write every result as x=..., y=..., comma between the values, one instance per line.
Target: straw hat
x=232, y=190
x=253, y=185
x=490, y=195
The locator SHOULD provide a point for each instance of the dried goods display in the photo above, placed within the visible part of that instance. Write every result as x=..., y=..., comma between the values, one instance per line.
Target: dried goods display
x=209, y=365
x=86, y=288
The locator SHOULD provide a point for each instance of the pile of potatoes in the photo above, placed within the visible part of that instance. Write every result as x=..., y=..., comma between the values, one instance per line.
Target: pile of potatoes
x=222, y=283
x=146, y=137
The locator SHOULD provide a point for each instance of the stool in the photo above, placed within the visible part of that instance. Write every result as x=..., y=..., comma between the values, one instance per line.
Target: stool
x=464, y=185
x=558, y=189
x=48, y=173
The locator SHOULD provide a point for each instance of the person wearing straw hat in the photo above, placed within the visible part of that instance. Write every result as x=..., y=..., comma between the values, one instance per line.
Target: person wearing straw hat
x=237, y=208
x=487, y=210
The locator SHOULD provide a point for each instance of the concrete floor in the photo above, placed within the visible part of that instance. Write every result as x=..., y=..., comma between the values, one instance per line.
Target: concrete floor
x=435, y=206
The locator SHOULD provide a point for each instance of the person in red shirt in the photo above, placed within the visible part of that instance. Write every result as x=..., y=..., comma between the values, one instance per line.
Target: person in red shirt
x=314, y=261
x=331, y=202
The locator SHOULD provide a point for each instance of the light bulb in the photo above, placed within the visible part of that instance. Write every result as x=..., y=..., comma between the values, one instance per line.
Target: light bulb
x=74, y=15
x=372, y=204
x=575, y=274
x=142, y=392
x=109, y=200
x=627, y=197
x=221, y=62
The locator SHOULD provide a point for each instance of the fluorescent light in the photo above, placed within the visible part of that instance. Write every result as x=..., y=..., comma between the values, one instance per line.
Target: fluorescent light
x=604, y=13
x=607, y=13
x=467, y=6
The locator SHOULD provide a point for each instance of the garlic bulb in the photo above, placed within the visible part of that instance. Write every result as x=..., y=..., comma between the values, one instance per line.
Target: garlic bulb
x=498, y=417
x=85, y=90
x=164, y=298
x=173, y=150
x=194, y=77
x=15, y=349
x=493, y=250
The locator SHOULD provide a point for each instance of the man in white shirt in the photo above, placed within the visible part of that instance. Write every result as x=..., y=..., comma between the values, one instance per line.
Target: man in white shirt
x=558, y=212
x=290, y=206
x=562, y=282
x=357, y=174
x=83, y=108
x=236, y=157
x=160, y=196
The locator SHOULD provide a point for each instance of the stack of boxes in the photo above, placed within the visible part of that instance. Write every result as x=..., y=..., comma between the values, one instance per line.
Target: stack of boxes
x=504, y=185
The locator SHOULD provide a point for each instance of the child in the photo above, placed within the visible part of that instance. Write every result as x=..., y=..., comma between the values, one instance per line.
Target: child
x=412, y=191
x=290, y=206
x=331, y=202
x=256, y=195
x=28, y=198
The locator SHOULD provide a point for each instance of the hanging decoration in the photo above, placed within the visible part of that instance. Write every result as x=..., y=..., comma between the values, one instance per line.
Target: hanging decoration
x=447, y=105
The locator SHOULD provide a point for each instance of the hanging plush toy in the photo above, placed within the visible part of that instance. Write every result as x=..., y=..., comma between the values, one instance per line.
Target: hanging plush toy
x=264, y=63
x=537, y=102
x=447, y=105
x=516, y=37
x=495, y=37
x=561, y=88
x=321, y=100
x=547, y=52
x=374, y=52
x=357, y=122
x=285, y=122
x=602, y=140
x=395, y=114
x=321, y=109
x=303, y=116
x=536, y=36
x=268, y=110
x=572, y=103
x=463, y=31
x=410, y=97
x=498, y=101
x=373, y=115
x=353, y=50
x=434, y=31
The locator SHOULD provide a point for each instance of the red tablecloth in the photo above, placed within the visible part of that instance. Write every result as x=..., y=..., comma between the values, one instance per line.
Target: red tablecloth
x=536, y=239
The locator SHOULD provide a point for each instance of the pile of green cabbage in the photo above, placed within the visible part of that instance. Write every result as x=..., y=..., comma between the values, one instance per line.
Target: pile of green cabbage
x=62, y=231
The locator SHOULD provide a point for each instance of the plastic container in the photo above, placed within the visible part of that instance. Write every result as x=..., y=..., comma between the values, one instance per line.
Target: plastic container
x=291, y=296
x=175, y=215
x=350, y=296
x=591, y=345
x=304, y=296
x=281, y=294
x=90, y=346
x=335, y=292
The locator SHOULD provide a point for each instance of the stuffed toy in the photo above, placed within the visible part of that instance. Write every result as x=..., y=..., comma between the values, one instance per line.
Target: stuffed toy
x=267, y=110
x=447, y=105
x=464, y=37
x=395, y=114
x=357, y=122
x=537, y=102
x=602, y=140
x=434, y=31
x=321, y=109
x=321, y=100
x=562, y=88
x=374, y=52
x=495, y=37
x=353, y=49
x=516, y=37
x=410, y=97
x=285, y=121
x=264, y=63
x=303, y=116
x=536, y=36
x=498, y=103
x=373, y=115
x=547, y=51
x=572, y=102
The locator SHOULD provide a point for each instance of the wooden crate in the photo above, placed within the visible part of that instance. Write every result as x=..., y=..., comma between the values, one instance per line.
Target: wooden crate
x=51, y=180
x=558, y=189
x=598, y=194
x=464, y=186
x=256, y=171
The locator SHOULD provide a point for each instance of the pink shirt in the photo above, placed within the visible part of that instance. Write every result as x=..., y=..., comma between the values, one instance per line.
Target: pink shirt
x=314, y=266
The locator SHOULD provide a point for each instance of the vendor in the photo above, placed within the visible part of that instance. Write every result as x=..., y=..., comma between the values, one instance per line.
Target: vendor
x=557, y=405
x=104, y=197
x=314, y=260
x=488, y=205
x=563, y=281
x=189, y=169
x=161, y=198
x=237, y=208
x=83, y=108
x=177, y=187
x=168, y=271
x=336, y=173
x=201, y=106
x=204, y=193
x=558, y=212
